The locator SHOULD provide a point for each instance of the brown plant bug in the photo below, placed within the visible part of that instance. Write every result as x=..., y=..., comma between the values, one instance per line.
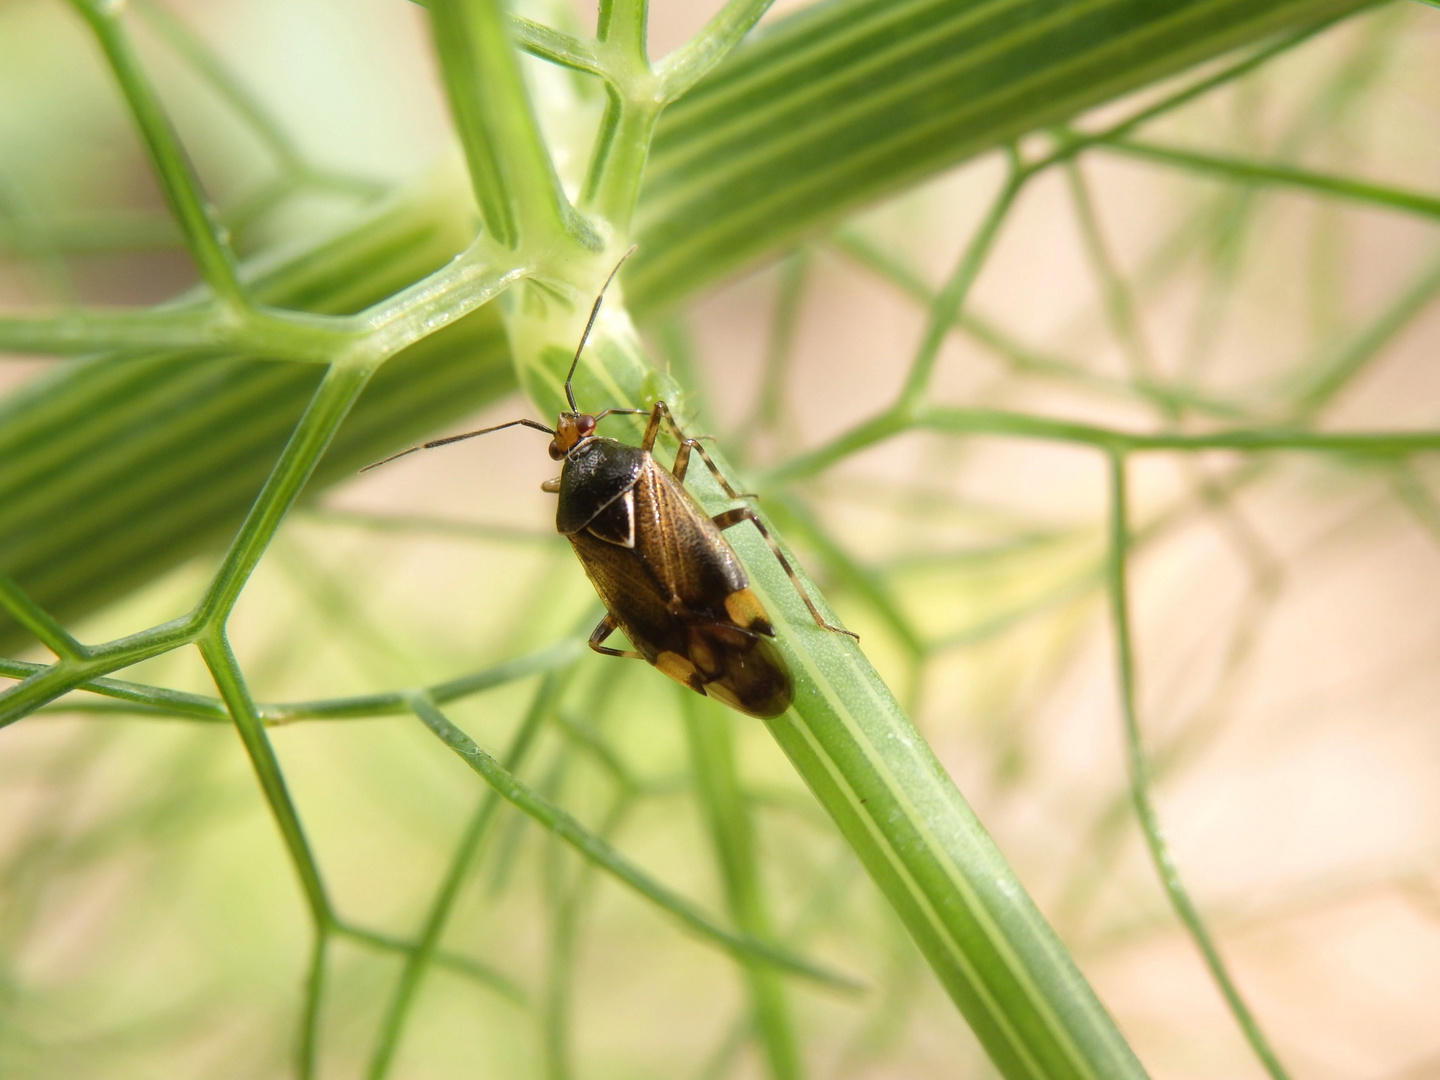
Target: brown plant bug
x=660, y=564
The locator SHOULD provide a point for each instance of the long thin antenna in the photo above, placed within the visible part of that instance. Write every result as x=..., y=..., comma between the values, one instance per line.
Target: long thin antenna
x=569, y=394
x=457, y=438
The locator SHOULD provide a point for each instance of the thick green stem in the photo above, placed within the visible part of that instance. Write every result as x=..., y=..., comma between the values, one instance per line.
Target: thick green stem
x=879, y=781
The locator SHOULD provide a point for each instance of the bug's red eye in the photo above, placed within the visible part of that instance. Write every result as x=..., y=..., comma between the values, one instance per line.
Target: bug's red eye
x=555, y=452
x=585, y=424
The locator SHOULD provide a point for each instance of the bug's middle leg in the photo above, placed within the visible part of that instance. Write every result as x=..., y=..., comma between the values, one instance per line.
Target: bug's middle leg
x=603, y=630
x=661, y=414
x=744, y=513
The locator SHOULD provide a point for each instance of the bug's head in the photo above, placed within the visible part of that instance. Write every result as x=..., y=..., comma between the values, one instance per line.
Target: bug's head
x=570, y=428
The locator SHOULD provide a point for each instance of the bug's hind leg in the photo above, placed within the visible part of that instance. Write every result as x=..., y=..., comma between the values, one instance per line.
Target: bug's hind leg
x=606, y=627
x=744, y=513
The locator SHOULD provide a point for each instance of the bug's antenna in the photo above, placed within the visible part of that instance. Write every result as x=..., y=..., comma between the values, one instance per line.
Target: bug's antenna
x=569, y=394
x=457, y=438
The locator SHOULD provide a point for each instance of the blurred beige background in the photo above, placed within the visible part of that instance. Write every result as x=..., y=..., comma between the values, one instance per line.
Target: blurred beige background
x=1287, y=632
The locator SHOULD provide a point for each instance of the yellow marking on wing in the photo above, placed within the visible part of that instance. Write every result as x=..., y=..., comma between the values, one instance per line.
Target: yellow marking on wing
x=680, y=669
x=745, y=609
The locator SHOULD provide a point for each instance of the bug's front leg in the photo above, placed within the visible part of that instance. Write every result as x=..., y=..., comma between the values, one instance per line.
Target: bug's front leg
x=606, y=627
x=744, y=513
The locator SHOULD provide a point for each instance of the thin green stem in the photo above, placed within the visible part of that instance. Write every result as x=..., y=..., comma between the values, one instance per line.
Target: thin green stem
x=1165, y=867
x=768, y=411
x=461, y=862
x=1318, y=382
x=555, y=46
x=308, y=1051
x=230, y=681
x=213, y=69
x=143, y=700
x=951, y=297
x=208, y=330
x=467, y=283
x=684, y=67
x=948, y=421
x=566, y=828
x=1124, y=323
x=564, y=931
x=484, y=974
x=39, y=622
x=328, y=407
x=514, y=180
x=717, y=782
x=1021, y=358
x=1075, y=143
x=44, y=683
x=204, y=236
x=1241, y=170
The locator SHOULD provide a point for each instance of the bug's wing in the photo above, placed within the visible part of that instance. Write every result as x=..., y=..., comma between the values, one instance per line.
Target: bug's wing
x=740, y=668
x=630, y=593
x=682, y=546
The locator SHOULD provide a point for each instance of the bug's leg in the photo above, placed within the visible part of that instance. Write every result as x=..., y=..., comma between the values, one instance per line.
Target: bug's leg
x=605, y=628
x=620, y=412
x=659, y=411
x=744, y=513
x=682, y=462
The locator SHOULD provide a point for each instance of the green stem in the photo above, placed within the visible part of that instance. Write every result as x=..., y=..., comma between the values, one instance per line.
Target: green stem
x=559, y=48
x=203, y=234
x=717, y=782
x=622, y=147
x=308, y=1051
x=483, y=974
x=1140, y=782
x=623, y=24
x=1020, y=358
x=514, y=180
x=232, y=89
x=1124, y=323
x=467, y=283
x=951, y=297
x=461, y=862
x=225, y=670
x=157, y=701
x=566, y=828
x=332, y=401
x=1022, y=425
x=38, y=621
x=208, y=331
x=684, y=67
x=45, y=683
x=1241, y=170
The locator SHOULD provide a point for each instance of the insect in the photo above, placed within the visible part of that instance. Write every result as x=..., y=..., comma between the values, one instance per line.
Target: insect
x=660, y=564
